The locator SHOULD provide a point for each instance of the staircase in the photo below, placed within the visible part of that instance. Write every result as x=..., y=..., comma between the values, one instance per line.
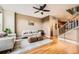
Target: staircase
x=69, y=31
x=69, y=26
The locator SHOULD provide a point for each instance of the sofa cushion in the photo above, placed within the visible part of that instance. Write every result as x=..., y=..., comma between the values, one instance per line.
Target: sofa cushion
x=2, y=34
x=33, y=39
x=40, y=38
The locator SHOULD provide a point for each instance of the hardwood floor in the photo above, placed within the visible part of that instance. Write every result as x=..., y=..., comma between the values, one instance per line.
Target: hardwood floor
x=56, y=47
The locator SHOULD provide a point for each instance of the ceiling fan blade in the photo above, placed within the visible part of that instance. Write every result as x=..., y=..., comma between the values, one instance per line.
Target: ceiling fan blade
x=42, y=13
x=40, y=7
x=36, y=8
x=46, y=10
x=43, y=6
x=36, y=12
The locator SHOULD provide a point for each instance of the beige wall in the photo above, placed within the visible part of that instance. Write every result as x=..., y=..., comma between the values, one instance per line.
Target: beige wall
x=22, y=23
x=46, y=26
x=9, y=20
x=48, y=23
x=52, y=23
x=71, y=35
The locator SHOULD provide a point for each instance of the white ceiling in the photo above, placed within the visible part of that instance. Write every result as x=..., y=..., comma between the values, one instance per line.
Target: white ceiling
x=27, y=9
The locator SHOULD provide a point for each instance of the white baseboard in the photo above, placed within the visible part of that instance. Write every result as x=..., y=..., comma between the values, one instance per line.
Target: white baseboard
x=70, y=41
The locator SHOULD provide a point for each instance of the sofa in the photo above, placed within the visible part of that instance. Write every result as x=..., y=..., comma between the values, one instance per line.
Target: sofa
x=6, y=43
x=30, y=33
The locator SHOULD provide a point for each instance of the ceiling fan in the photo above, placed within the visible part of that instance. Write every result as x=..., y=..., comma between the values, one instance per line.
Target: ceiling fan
x=42, y=9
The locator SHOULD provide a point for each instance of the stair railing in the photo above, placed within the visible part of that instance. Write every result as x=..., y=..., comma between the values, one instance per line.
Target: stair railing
x=68, y=26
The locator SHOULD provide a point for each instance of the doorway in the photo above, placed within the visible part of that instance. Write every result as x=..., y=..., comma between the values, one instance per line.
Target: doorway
x=51, y=31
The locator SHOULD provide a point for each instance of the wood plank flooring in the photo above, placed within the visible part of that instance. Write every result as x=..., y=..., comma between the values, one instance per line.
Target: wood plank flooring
x=56, y=47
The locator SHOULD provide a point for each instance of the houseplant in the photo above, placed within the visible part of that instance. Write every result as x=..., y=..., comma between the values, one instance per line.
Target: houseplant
x=42, y=32
x=7, y=31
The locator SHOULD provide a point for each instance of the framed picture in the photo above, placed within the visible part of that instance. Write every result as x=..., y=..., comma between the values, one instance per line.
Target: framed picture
x=31, y=23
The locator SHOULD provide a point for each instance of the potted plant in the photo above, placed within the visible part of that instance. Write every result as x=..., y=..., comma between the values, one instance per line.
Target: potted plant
x=7, y=30
x=42, y=32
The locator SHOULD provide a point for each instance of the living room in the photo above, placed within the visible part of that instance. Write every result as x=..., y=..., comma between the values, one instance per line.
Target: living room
x=25, y=27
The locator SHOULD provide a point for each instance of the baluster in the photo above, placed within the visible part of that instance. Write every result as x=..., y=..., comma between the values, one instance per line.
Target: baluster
x=77, y=22
x=74, y=23
x=71, y=24
x=68, y=25
x=64, y=29
x=60, y=31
